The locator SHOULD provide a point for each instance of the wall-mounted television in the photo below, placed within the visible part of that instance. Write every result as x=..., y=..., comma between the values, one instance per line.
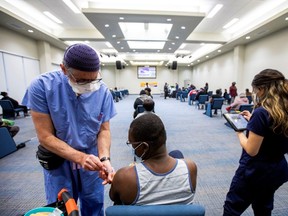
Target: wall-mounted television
x=146, y=72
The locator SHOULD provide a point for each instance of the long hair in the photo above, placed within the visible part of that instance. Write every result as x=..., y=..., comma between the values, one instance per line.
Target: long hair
x=275, y=98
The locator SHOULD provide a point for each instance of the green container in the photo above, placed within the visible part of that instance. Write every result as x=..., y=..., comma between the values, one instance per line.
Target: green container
x=8, y=122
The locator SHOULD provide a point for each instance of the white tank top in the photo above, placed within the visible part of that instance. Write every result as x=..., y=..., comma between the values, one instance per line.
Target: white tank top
x=173, y=187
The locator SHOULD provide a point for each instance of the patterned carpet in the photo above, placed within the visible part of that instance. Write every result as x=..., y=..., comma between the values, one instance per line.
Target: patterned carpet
x=212, y=145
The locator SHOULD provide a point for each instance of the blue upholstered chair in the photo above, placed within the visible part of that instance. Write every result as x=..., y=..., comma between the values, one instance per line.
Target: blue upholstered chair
x=156, y=210
x=201, y=101
x=191, y=99
x=8, y=109
x=140, y=109
x=249, y=99
x=215, y=105
x=183, y=95
x=7, y=144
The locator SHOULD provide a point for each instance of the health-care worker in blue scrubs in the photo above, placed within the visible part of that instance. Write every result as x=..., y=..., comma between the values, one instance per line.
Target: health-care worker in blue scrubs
x=262, y=166
x=71, y=109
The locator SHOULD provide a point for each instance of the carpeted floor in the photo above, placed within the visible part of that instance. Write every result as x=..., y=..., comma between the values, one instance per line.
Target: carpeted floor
x=212, y=145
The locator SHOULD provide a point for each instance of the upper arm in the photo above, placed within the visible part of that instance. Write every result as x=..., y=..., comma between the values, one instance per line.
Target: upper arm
x=193, y=172
x=124, y=187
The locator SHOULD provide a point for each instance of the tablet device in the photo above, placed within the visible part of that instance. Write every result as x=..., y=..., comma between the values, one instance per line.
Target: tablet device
x=237, y=121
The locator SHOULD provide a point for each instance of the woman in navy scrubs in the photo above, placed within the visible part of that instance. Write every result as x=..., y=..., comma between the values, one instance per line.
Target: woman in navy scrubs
x=263, y=167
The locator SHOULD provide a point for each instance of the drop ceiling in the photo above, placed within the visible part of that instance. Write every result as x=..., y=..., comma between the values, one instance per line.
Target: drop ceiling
x=192, y=39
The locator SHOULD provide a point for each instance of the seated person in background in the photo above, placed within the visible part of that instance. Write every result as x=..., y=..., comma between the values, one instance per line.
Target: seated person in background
x=139, y=101
x=239, y=100
x=13, y=130
x=247, y=92
x=148, y=92
x=227, y=96
x=171, y=180
x=148, y=105
x=211, y=99
x=14, y=102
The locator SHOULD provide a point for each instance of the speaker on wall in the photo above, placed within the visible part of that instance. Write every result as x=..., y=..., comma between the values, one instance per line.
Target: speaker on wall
x=174, y=65
x=118, y=65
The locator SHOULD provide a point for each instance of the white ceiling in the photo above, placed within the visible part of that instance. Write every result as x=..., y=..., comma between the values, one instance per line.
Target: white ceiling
x=202, y=36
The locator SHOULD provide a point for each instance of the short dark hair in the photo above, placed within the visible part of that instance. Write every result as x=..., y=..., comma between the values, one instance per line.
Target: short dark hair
x=148, y=104
x=148, y=128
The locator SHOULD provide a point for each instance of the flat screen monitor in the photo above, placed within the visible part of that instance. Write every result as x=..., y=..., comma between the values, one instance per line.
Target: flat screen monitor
x=146, y=72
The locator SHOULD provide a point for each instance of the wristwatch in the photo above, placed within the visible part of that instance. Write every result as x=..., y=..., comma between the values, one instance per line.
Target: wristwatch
x=104, y=159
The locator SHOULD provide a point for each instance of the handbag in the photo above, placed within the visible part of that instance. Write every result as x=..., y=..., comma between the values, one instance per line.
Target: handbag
x=48, y=159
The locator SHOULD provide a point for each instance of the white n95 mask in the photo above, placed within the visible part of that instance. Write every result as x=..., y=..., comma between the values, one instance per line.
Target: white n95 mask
x=87, y=88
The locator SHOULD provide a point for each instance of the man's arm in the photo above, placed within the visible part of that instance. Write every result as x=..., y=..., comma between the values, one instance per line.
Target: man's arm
x=124, y=186
x=193, y=172
x=103, y=144
x=46, y=135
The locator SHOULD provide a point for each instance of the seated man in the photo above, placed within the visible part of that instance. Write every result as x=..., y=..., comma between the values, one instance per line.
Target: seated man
x=217, y=95
x=14, y=102
x=148, y=105
x=139, y=101
x=171, y=180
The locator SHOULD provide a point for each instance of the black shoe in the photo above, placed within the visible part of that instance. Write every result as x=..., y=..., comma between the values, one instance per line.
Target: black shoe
x=21, y=145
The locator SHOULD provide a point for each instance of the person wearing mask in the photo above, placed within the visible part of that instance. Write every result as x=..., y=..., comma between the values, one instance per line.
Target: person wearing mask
x=71, y=109
x=262, y=166
x=160, y=178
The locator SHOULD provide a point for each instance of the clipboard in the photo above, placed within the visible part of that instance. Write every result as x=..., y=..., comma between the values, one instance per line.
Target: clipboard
x=237, y=121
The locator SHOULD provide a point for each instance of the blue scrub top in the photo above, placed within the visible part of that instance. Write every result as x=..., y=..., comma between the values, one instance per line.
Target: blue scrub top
x=273, y=146
x=76, y=119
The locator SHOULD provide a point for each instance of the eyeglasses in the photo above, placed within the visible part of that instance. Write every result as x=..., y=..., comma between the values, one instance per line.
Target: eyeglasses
x=133, y=143
x=85, y=81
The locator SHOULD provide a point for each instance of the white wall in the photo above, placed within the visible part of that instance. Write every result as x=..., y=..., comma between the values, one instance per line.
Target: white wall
x=220, y=72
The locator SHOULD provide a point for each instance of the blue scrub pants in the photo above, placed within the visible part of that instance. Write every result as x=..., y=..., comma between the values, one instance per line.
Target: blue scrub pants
x=255, y=185
x=82, y=184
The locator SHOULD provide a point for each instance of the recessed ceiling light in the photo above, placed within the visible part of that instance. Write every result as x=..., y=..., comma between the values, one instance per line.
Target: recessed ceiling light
x=52, y=17
x=173, y=43
x=219, y=50
x=169, y=19
x=177, y=37
x=121, y=18
x=207, y=56
x=233, y=21
x=118, y=42
x=113, y=36
x=183, y=27
x=286, y=18
x=214, y=10
x=30, y=30
x=145, y=31
x=248, y=37
x=72, y=6
x=106, y=25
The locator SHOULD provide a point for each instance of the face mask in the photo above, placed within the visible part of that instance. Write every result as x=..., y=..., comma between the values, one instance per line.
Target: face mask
x=87, y=88
x=136, y=157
